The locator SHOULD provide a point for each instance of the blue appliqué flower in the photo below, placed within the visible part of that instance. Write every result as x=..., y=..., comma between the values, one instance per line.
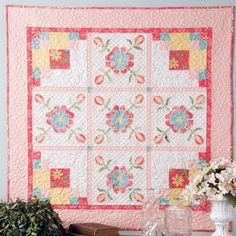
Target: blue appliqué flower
x=194, y=36
x=36, y=192
x=202, y=45
x=36, y=164
x=44, y=35
x=164, y=37
x=202, y=74
x=73, y=36
x=35, y=44
x=36, y=73
x=74, y=200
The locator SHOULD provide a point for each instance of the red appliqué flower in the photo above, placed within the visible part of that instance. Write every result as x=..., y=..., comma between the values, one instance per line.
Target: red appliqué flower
x=119, y=60
x=60, y=118
x=119, y=119
x=179, y=119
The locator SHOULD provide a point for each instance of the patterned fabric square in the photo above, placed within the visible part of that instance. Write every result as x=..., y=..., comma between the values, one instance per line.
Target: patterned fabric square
x=60, y=178
x=179, y=60
x=59, y=59
x=178, y=178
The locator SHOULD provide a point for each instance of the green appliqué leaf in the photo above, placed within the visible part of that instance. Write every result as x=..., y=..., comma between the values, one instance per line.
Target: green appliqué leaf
x=189, y=137
x=130, y=197
x=159, y=130
x=138, y=167
x=102, y=169
x=192, y=101
x=168, y=100
x=197, y=129
x=137, y=47
x=167, y=139
x=129, y=41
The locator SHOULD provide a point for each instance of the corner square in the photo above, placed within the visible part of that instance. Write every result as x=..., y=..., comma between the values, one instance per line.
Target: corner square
x=178, y=178
x=179, y=60
x=60, y=178
x=59, y=59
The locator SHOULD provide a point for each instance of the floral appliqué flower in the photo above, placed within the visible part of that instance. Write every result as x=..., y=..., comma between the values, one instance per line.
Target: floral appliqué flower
x=60, y=118
x=119, y=179
x=119, y=60
x=179, y=119
x=119, y=118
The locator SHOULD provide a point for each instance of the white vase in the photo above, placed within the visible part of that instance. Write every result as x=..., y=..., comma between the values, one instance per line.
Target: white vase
x=221, y=214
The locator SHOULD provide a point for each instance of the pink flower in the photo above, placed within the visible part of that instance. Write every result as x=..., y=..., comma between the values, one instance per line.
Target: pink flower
x=139, y=39
x=159, y=138
x=99, y=100
x=60, y=118
x=99, y=160
x=140, y=136
x=80, y=138
x=119, y=179
x=119, y=60
x=99, y=139
x=119, y=119
x=158, y=100
x=98, y=41
x=200, y=99
x=198, y=139
x=99, y=79
x=101, y=197
x=179, y=119
x=80, y=98
x=139, y=79
x=138, y=197
x=139, y=99
x=139, y=161
x=39, y=98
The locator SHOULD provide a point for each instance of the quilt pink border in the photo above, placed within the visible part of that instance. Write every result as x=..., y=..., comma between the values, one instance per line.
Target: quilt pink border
x=215, y=153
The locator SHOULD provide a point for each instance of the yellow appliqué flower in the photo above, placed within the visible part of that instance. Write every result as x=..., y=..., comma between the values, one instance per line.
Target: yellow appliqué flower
x=57, y=174
x=55, y=55
x=173, y=63
x=177, y=180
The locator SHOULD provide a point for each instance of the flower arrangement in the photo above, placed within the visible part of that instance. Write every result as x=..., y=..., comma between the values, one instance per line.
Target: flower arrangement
x=216, y=180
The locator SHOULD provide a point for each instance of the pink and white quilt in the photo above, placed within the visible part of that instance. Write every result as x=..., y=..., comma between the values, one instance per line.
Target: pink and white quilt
x=106, y=103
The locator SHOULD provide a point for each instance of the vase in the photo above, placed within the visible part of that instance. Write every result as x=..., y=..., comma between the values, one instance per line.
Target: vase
x=221, y=214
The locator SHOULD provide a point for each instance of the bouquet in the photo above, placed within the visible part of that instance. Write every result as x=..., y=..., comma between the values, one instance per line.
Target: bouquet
x=216, y=180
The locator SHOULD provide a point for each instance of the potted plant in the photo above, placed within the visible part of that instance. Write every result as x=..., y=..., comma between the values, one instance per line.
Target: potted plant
x=216, y=182
x=29, y=218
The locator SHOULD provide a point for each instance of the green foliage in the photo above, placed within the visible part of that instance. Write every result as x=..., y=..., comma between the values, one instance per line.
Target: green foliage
x=231, y=199
x=31, y=218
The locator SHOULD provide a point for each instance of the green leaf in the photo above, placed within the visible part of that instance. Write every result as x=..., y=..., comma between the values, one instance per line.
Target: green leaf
x=167, y=139
x=197, y=129
x=189, y=137
x=137, y=47
x=102, y=169
x=107, y=43
x=70, y=136
x=77, y=107
x=159, y=130
x=109, y=196
x=198, y=108
x=130, y=161
x=108, y=162
x=231, y=199
x=130, y=77
x=168, y=100
x=192, y=101
x=138, y=167
x=129, y=41
x=130, y=197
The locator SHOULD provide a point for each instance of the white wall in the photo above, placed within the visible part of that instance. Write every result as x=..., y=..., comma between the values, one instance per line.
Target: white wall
x=85, y=3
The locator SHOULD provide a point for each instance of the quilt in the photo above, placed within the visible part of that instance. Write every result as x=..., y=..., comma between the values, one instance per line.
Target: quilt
x=105, y=103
